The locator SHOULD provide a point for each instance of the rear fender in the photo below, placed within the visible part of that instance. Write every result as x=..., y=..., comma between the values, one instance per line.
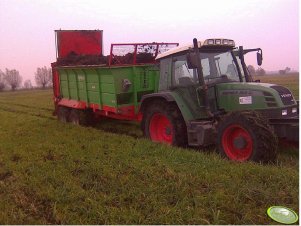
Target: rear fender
x=168, y=97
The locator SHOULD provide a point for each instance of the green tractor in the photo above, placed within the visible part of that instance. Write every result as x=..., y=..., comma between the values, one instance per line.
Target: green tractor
x=197, y=95
x=206, y=96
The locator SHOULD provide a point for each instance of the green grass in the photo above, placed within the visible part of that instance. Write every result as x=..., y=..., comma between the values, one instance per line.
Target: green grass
x=55, y=173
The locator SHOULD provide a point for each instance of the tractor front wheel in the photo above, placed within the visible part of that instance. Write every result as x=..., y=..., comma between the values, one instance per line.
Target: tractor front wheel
x=244, y=136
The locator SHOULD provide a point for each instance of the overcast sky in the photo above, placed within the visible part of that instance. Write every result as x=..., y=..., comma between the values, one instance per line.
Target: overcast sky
x=27, y=27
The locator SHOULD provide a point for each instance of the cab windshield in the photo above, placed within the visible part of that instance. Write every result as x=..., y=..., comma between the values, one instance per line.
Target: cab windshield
x=218, y=66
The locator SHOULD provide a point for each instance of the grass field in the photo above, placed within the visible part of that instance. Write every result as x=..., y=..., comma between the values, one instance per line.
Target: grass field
x=55, y=173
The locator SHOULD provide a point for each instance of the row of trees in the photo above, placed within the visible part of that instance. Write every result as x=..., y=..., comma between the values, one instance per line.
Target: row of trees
x=286, y=70
x=13, y=79
x=259, y=71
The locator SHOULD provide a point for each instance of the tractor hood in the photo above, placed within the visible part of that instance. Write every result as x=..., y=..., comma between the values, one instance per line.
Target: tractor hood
x=252, y=96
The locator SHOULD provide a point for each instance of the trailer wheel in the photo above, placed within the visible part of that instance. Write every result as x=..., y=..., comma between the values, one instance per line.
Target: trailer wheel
x=63, y=114
x=81, y=117
x=163, y=122
x=244, y=136
x=74, y=117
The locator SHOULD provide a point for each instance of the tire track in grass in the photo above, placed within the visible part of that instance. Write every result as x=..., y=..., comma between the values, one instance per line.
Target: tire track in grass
x=11, y=110
x=106, y=126
x=27, y=106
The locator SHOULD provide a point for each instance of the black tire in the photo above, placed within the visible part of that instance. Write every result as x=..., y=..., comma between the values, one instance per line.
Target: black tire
x=63, y=114
x=246, y=136
x=74, y=117
x=81, y=117
x=177, y=131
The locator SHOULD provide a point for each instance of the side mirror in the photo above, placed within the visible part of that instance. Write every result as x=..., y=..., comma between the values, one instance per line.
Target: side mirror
x=191, y=60
x=259, y=58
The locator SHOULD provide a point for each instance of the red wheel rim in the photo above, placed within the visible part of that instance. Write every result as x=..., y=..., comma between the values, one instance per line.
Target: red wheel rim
x=237, y=143
x=160, y=129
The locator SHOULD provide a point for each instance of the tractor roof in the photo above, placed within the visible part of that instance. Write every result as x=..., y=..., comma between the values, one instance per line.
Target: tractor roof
x=208, y=43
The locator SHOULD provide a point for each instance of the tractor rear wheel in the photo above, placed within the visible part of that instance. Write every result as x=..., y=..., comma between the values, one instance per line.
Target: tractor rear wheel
x=244, y=136
x=63, y=114
x=163, y=122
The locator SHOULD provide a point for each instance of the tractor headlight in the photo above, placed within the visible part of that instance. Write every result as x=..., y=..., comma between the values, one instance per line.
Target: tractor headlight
x=218, y=41
x=211, y=42
x=294, y=110
x=225, y=42
x=284, y=112
x=231, y=43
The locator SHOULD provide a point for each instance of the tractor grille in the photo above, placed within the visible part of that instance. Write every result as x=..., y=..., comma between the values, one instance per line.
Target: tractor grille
x=269, y=99
x=285, y=95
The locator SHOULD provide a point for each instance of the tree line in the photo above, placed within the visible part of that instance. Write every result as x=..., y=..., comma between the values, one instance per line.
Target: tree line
x=260, y=71
x=11, y=78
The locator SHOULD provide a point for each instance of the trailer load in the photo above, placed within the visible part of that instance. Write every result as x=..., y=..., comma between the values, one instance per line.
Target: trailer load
x=195, y=95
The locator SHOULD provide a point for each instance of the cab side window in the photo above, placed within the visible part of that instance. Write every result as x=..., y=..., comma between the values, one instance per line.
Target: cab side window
x=165, y=74
x=182, y=75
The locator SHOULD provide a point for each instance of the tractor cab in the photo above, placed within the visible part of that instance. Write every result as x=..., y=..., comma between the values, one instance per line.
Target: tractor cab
x=195, y=76
x=220, y=62
x=211, y=78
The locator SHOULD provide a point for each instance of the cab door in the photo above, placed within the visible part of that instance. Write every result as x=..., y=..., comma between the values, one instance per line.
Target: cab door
x=184, y=82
